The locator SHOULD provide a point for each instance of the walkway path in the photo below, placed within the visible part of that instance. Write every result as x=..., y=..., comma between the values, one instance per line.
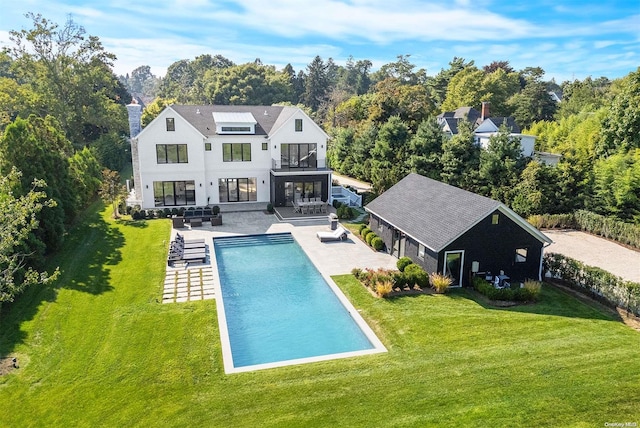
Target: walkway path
x=360, y=186
x=595, y=251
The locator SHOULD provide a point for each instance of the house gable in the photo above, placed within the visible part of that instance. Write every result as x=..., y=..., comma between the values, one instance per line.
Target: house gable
x=286, y=123
x=435, y=214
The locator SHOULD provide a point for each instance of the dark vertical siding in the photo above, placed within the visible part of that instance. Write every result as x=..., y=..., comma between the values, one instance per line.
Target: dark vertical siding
x=494, y=247
x=430, y=262
x=277, y=186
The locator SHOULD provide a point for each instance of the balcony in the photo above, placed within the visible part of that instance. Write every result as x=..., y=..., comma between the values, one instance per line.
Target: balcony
x=313, y=165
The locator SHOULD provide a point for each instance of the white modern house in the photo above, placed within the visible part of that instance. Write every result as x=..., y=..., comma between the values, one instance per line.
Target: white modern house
x=202, y=155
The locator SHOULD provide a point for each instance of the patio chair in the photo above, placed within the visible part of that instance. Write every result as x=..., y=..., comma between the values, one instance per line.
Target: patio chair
x=340, y=234
x=296, y=207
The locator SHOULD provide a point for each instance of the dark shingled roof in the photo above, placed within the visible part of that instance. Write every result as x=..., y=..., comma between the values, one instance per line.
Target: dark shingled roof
x=509, y=121
x=432, y=212
x=201, y=117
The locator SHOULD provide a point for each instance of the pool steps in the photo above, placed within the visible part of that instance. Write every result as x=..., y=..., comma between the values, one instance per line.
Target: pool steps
x=241, y=241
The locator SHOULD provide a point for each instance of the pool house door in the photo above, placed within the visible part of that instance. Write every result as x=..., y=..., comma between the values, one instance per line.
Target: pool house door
x=453, y=263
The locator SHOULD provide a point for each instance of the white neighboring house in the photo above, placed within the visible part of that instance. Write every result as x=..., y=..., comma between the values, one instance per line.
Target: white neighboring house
x=194, y=155
x=485, y=126
x=491, y=126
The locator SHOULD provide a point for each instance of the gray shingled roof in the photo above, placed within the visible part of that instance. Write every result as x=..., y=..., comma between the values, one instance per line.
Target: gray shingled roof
x=201, y=117
x=509, y=121
x=432, y=212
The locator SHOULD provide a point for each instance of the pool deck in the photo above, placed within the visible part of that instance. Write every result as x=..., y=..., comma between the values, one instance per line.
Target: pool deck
x=330, y=258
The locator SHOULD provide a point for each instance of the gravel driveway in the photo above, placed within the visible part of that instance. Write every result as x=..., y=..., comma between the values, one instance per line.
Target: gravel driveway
x=595, y=251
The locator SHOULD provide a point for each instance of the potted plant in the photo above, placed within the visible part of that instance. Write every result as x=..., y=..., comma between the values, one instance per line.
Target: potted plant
x=216, y=218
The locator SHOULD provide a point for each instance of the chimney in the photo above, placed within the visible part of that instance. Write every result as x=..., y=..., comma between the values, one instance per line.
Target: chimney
x=135, y=118
x=485, y=111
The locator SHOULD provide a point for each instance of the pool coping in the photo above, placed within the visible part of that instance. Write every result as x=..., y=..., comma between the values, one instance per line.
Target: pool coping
x=227, y=356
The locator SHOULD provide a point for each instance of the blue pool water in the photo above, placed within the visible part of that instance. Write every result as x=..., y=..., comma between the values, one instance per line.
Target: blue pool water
x=277, y=305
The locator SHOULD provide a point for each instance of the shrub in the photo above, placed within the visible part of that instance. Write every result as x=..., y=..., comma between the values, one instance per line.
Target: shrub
x=403, y=262
x=377, y=243
x=137, y=215
x=415, y=275
x=384, y=288
x=369, y=237
x=533, y=287
x=215, y=210
x=440, y=282
x=364, y=232
x=370, y=277
x=166, y=212
x=345, y=212
x=336, y=204
x=357, y=272
x=361, y=228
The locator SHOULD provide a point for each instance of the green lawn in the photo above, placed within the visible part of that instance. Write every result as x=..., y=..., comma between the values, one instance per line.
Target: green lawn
x=99, y=350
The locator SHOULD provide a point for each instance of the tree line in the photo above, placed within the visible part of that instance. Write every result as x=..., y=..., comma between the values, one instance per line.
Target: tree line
x=383, y=124
x=63, y=121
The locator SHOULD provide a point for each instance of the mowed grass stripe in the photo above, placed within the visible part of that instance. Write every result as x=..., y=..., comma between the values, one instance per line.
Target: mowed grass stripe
x=102, y=350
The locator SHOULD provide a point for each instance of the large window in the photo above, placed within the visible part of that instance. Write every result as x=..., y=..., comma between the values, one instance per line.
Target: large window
x=237, y=189
x=172, y=153
x=296, y=190
x=236, y=152
x=299, y=156
x=174, y=193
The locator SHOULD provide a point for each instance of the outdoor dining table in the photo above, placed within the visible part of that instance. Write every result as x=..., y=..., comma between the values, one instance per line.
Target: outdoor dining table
x=311, y=205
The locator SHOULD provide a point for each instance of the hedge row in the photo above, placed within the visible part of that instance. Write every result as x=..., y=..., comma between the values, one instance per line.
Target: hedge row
x=594, y=281
x=610, y=228
x=371, y=238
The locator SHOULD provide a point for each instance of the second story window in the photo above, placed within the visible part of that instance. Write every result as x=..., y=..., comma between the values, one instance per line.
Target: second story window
x=172, y=153
x=298, y=155
x=171, y=124
x=236, y=152
x=298, y=125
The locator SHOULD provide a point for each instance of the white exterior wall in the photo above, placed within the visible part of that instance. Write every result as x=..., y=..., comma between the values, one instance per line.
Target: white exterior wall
x=150, y=170
x=205, y=168
x=527, y=142
x=311, y=133
x=215, y=168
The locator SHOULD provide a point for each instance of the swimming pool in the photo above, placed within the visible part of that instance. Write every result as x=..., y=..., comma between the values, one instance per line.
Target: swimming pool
x=275, y=308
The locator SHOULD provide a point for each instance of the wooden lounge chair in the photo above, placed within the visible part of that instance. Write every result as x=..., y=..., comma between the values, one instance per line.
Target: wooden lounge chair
x=340, y=234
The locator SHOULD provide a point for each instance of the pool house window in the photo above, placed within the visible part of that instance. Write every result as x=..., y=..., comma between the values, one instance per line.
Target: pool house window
x=174, y=193
x=236, y=152
x=172, y=153
x=238, y=189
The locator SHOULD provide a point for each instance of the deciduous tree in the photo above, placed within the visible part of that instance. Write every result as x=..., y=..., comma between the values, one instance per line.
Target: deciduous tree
x=18, y=218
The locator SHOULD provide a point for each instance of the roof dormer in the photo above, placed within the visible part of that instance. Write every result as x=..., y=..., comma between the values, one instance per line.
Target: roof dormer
x=240, y=123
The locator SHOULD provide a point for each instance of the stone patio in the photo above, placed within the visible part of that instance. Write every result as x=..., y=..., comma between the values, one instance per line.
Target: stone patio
x=330, y=258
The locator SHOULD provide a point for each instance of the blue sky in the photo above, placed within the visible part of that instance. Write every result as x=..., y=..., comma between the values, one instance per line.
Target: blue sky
x=569, y=39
